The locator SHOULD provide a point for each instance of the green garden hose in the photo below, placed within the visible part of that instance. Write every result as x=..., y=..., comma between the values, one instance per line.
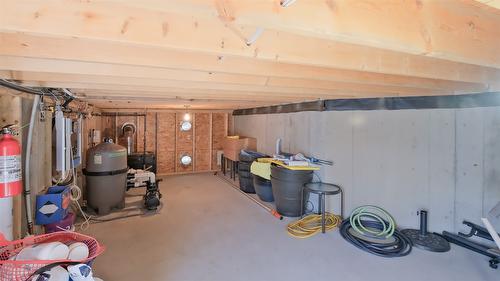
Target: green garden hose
x=373, y=213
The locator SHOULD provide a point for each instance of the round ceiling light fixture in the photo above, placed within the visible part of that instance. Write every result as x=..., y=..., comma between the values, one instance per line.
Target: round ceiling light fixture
x=186, y=160
x=186, y=126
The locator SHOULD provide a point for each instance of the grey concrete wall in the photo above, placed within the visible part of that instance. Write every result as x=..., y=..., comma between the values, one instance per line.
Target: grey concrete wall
x=443, y=160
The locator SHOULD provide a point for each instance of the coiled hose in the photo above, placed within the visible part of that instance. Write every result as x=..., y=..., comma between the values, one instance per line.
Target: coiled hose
x=373, y=213
x=311, y=224
x=376, y=233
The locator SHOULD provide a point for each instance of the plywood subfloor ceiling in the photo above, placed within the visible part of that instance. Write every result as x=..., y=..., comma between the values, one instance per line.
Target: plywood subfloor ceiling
x=228, y=54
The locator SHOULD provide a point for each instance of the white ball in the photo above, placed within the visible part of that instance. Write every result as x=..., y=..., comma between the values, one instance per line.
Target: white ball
x=55, y=274
x=78, y=251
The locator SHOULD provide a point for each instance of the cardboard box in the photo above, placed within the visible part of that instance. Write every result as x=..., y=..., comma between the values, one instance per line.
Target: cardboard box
x=52, y=206
x=234, y=144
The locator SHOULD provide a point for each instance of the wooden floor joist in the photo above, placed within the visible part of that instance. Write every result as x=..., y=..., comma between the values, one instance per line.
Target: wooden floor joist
x=258, y=77
x=311, y=49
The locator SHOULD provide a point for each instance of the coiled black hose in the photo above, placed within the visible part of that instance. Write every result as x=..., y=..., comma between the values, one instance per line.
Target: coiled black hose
x=399, y=248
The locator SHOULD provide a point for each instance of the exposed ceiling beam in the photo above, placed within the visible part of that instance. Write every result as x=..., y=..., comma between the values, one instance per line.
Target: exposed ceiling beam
x=89, y=50
x=27, y=64
x=212, y=106
x=301, y=87
x=174, y=104
x=111, y=92
x=160, y=83
x=138, y=92
x=460, y=31
x=116, y=22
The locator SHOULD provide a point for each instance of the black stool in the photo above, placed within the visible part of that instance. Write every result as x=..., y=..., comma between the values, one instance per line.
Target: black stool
x=323, y=189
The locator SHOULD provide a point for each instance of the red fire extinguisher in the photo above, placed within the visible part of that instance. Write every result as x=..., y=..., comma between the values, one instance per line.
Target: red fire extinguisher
x=10, y=164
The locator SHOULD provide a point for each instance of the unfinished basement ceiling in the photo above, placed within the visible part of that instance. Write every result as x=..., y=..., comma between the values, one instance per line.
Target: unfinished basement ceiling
x=230, y=54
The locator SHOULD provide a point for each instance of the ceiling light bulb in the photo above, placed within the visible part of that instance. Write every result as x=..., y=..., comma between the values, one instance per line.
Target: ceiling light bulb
x=187, y=117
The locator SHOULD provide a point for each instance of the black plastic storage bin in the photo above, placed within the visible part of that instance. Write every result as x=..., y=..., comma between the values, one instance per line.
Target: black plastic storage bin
x=244, y=176
x=138, y=159
x=263, y=188
x=246, y=185
x=287, y=188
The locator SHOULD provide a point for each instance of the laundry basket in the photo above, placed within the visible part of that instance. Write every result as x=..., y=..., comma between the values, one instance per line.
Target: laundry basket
x=12, y=270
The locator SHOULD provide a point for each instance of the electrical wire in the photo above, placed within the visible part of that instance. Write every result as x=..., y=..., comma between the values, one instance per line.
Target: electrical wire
x=76, y=195
x=20, y=88
x=311, y=224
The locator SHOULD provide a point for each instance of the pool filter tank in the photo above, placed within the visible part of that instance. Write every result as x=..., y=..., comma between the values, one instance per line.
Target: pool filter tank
x=106, y=177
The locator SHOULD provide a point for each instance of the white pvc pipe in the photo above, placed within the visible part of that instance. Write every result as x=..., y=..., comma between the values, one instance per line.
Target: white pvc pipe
x=27, y=187
x=6, y=223
x=492, y=231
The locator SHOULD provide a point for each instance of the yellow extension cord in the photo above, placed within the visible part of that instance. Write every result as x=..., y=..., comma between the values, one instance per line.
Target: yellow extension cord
x=311, y=224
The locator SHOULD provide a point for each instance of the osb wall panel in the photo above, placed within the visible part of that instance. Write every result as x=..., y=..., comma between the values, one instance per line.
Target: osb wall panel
x=164, y=137
x=181, y=168
x=122, y=140
x=184, y=145
x=140, y=133
x=150, y=132
x=166, y=127
x=202, y=131
x=184, y=138
x=92, y=123
x=219, y=132
x=108, y=127
x=202, y=157
x=230, y=124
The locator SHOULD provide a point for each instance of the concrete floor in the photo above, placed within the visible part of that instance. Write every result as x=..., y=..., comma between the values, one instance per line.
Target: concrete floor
x=208, y=231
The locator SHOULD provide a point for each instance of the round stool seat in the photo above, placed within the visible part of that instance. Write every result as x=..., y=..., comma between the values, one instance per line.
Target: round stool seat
x=323, y=188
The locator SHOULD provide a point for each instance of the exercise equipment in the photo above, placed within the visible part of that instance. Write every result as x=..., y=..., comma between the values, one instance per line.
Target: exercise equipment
x=422, y=239
x=373, y=230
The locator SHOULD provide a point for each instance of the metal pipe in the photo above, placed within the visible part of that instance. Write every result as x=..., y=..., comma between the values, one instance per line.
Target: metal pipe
x=423, y=222
x=27, y=183
x=119, y=114
x=144, y=148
